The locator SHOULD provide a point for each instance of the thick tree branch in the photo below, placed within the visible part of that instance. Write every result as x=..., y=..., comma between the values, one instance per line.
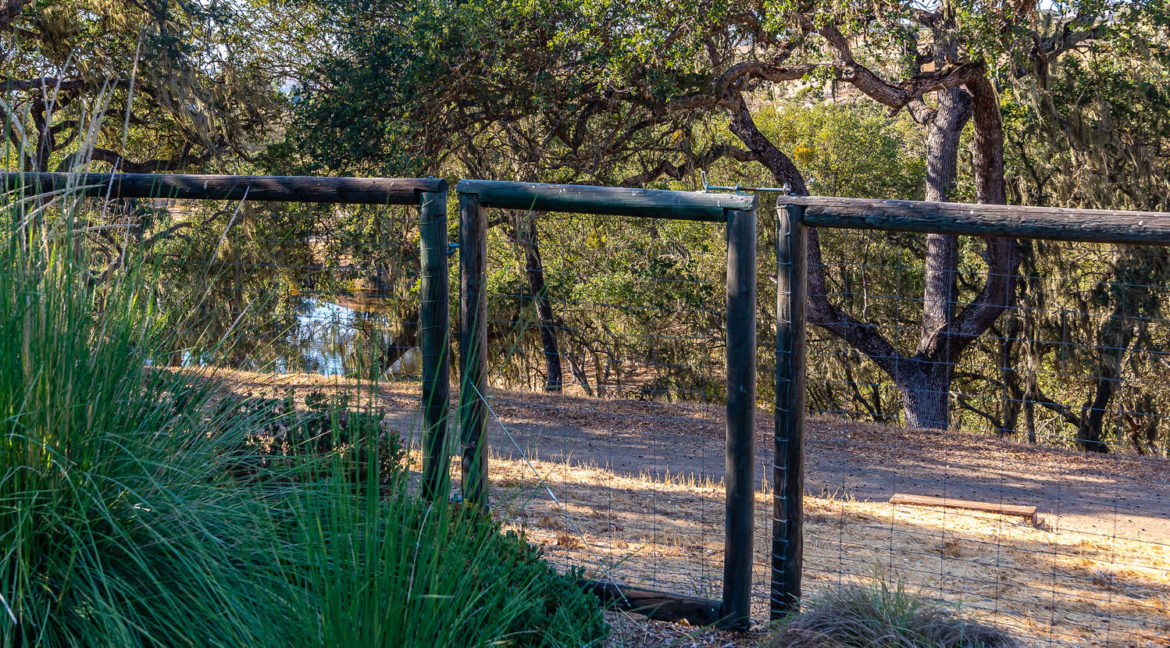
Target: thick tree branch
x=821, y=311
x=149, y=166
x=679, y=171
x=1060, y=408
x=1002, y=255
x=895, y=96
x=56, y=84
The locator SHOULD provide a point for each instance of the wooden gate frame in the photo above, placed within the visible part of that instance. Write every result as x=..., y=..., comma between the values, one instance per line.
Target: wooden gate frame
x=429, y=194
x=739, y=212
x=794, y=214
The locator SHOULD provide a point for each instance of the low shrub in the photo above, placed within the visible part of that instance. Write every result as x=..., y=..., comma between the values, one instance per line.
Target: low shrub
x=880, y=616
x=289, y=442
x=396, y=572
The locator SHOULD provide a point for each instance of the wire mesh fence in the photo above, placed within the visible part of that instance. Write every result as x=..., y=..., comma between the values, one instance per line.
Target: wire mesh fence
x=1056, y=406
x=1077, y=347
x=329, y=292
x=608, y=332
x=606, y=389
x=1075, y=362
x=300, y=309
x=619, y=323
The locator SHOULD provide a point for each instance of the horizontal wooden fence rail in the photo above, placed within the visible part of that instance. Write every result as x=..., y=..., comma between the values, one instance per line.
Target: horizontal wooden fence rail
x=307, y=189
x=612, y=201
x=429, y=194
x=1085, y=225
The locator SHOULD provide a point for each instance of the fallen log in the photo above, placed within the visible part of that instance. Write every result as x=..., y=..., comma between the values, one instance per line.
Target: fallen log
x=656, y=605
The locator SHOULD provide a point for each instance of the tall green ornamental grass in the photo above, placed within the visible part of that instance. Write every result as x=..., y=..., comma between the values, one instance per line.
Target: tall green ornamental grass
x=398, y=573
x=126, y=519
x=116, y=527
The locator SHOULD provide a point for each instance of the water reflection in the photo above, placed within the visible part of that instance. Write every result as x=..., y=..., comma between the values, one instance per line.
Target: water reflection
x=325, y=334
x=321, y=336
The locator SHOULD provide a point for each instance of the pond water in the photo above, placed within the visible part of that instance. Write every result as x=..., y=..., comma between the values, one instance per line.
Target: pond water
x=326, y=338
x=325, y=335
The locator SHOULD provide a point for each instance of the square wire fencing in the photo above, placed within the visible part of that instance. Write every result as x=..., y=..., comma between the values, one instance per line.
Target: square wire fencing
x=1034, y=493
x=302, y=289
x=636, y=297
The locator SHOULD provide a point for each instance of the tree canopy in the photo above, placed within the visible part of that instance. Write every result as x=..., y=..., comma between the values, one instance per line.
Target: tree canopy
x=1056, y=103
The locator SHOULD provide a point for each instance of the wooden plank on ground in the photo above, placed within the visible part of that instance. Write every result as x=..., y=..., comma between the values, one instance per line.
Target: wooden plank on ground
x=656, y=605
x=1028, y=512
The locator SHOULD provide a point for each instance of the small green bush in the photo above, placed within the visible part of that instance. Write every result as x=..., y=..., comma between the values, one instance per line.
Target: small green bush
x=399, y=572
x=880, y=616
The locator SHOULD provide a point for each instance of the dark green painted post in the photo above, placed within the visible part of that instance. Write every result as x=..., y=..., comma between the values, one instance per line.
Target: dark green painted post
x=788, y=468
x=473, y=347
x=434, y=320
x=741, y=419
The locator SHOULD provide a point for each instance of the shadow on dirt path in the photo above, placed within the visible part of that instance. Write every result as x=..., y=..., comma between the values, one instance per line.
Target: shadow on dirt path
x=1109, y=495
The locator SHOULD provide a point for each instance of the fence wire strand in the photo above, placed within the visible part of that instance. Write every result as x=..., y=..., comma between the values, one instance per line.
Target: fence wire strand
x=1060, y=405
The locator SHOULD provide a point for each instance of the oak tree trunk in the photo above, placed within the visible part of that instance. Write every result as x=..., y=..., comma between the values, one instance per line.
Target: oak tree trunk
x=923, y=378
x=526, y=237
x=926, y=392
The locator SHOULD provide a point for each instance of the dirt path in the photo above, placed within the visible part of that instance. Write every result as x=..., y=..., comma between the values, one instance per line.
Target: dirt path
x=1108, y=495
x=1127, y=496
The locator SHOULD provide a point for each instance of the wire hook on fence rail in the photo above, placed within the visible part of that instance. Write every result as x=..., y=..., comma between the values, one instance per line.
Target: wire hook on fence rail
x=738, y=188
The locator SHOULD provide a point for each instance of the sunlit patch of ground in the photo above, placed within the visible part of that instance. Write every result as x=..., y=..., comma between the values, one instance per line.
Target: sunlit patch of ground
x=1046, y=586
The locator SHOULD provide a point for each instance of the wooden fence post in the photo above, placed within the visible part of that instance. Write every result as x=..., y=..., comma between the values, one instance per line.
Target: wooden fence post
x=741, y=408
x=788, y=461
x=434, y=320
x=473, y=347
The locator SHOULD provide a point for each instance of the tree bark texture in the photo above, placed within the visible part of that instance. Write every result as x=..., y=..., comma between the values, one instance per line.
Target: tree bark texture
x=526, y=237
x=923, y=378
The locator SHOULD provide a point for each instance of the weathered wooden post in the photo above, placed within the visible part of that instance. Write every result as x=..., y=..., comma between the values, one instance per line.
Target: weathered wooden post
x=788, y=462
x=473, y=347
x=433, y=320
x=741, y=417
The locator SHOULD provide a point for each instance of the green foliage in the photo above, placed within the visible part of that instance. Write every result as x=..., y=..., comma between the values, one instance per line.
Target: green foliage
x=640, y=304
x=116, y=526
x=400, y=573
x=524, y=88
x=1093, y=131
x=125, y=518
x=848, y=149
x=136, y=85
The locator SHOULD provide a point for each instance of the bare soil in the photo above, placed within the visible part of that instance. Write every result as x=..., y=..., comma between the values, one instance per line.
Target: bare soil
x=639, y=499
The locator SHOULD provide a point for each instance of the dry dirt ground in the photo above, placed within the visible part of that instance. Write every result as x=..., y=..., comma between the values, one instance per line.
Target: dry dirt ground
x=637, y=497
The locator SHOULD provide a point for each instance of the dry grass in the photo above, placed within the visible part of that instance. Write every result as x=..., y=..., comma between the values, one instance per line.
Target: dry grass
x=1081, y=578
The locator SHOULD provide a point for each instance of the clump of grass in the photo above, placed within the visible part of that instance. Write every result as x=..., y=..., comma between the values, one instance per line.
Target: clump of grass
x=395, y=571
x=115, y=525
x=882, y=616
